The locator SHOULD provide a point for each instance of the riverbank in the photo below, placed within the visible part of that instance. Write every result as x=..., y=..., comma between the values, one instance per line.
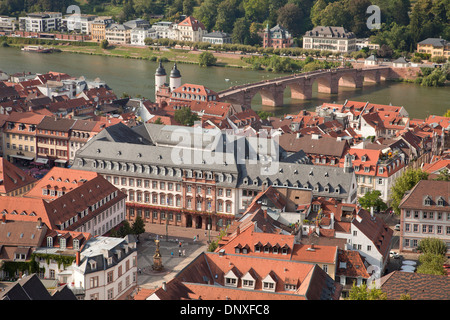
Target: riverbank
x=148, y=53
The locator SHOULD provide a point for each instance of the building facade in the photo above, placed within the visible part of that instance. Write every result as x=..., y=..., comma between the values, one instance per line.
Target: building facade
x=41, y=22
x=98, y=28
x=190, y=29
x=217, y=37
x=424, y=213
x=118, y=34
x=277, y=37
x=335, y=39
x=19, y=136
x=435, y=47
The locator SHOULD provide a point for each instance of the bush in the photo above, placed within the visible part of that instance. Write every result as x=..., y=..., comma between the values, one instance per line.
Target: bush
x=206, y=59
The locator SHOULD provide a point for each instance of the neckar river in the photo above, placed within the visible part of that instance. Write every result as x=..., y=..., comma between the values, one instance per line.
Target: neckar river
x=136, y=77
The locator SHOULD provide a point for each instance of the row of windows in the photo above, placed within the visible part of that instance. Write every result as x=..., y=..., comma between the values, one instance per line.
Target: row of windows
x=163, y=199
x=427, y=228
x=20, y=137
x=132, y=182
x=429, y=215
x=21, y=148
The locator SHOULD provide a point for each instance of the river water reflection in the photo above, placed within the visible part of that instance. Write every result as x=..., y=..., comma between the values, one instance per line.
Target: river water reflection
x=136, y=77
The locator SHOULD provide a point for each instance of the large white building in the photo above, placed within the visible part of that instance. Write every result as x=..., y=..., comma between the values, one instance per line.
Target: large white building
x=41, y=22
x=7, y=24
x=335, y=39
x=79, y=23
x=190, y=29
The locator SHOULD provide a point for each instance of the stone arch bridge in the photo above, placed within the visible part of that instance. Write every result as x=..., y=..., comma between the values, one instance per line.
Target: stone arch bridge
x=301, y=85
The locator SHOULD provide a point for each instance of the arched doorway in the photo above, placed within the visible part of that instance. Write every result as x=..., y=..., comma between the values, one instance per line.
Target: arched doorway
x=188, y=221
x=199, y=221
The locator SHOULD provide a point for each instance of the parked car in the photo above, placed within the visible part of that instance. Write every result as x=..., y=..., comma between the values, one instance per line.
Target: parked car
x=397, y=227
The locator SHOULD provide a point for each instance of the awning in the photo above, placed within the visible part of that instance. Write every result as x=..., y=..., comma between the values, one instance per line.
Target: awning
x=41, y=160
x=21, y=157
x=60, y=161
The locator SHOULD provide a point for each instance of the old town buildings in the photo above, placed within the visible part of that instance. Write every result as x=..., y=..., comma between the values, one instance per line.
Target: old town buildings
x=424, y=214
x=335, y=39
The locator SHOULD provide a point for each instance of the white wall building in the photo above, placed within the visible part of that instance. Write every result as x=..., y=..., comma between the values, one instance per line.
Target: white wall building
x=41, y=22
x=105, y=268
x=78, y=23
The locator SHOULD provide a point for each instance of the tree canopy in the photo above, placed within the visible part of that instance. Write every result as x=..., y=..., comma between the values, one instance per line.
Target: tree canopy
x=404, y=183
x=372, y=200
x=185, y=116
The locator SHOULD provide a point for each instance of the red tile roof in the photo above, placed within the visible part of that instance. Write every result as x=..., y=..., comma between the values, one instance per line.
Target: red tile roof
x=12, y=177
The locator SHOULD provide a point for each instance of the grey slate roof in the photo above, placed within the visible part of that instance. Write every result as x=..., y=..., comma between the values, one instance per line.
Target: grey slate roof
x=157, y=156
x=298, y=175
x=335, y=32
x=435, y=42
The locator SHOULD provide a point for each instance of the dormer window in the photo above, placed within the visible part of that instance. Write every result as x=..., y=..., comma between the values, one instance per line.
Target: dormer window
x=363, y=158
x=50, y=242
x=62, y=243
x=440, y=202
x=427, y=201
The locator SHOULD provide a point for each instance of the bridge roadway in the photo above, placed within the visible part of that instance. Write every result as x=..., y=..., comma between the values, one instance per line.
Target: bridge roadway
x=301, y=85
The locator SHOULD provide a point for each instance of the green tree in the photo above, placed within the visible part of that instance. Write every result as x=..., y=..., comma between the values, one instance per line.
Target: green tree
x=256, y=10
x=447, y=114
x=227, y=13
x=430, y=263
x=138, y=226
x=241, y=31
x=291, y=17
x=207, y=13
x=404, y=183
x=372, y=200
x=104, y=44
x=206, y=59
x=188, y=7
x=444, y=175
x=362, y=292
x=185, y=116
x=158, y=121
x=264, y=114
x=433, y=246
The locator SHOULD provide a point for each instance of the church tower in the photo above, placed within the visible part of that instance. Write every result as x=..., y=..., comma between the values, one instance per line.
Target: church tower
x=160, y=78
x=175, y=78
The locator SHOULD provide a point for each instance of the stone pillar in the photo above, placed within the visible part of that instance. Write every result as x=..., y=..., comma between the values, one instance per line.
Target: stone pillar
x=301, y=90
x=272, y=96
x=328, y=84
x=373, y=77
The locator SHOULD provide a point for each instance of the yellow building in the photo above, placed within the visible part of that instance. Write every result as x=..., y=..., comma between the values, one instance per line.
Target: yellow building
x=98, y=28
x=19, y=136
x=434, y=46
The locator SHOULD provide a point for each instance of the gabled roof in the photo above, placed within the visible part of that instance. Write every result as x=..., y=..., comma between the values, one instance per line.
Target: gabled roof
x=204, y=279
x=192, y=22
x=12, y=177
x=375, y=229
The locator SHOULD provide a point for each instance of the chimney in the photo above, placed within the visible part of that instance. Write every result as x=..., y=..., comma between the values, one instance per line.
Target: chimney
x=222, y=252
x=4, y=218
x=164, y=286
x=77, y=258
x=238, y=230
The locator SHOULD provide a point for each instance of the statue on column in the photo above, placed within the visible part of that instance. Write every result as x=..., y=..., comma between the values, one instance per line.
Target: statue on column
x=157, y=259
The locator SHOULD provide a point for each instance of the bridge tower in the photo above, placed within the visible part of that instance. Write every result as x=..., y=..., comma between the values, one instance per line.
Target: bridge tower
x=160, y=77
